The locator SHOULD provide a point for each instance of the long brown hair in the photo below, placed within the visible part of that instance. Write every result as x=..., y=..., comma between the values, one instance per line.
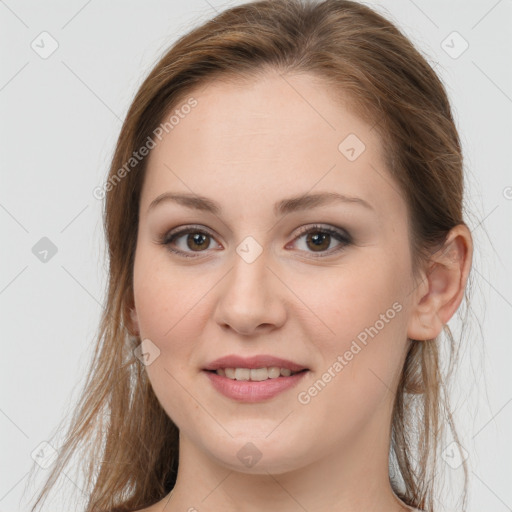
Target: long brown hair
x=128, y=446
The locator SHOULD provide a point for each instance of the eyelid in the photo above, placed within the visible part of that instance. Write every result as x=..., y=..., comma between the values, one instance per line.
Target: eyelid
x=341, y=235
x=195, y=228
x=324, y=228
x=180, y=231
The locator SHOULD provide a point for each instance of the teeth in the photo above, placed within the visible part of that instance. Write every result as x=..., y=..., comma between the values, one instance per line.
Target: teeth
x=259, y=374
x=242, y=373
x=274, y=372
x=254, y=374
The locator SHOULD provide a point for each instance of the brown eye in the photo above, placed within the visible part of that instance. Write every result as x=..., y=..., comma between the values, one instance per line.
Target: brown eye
x=187, y=241
x=198, y=241
x=318, y=239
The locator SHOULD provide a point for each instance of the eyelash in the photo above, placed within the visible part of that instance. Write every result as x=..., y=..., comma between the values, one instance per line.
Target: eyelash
x=341, y=236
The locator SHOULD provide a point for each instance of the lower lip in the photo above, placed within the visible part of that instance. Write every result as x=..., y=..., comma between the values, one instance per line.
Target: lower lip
x=253, y=391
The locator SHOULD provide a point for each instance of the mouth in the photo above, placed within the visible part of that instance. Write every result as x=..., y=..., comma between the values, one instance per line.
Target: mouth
x=265, y=366
x=253, y=379
x=255, y=374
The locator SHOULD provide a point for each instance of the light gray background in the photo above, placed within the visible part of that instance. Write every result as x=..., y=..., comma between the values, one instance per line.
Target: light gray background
x=60, y=118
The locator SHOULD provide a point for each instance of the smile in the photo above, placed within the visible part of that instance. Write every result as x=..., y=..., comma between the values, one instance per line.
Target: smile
x=255, y=374
x=246, y=389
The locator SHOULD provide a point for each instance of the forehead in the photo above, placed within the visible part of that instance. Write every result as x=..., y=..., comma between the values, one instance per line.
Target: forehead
x=268, y=138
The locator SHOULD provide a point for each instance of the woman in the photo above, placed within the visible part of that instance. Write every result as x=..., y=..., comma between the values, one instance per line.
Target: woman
x=286, y=241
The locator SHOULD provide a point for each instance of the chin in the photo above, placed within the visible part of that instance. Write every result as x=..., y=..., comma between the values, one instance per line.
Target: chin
x=254, y=453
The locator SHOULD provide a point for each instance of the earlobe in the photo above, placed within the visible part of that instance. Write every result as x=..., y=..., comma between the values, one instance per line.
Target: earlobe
x=444, y=283
x=130, y=317
x=134, y=322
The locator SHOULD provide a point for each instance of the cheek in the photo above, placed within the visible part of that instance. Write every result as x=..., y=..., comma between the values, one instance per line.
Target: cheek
x=365, y=314
x=360, y=363
x=165, y=297
x=168, y=306
x=345, y=302
x=172, y=310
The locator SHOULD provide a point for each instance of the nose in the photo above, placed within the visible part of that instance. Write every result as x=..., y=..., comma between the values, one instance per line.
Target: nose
x=251, y=297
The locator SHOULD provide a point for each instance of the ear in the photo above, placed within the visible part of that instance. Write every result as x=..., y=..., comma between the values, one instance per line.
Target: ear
x=131, y=320
x=134, y=322
x=441, y=290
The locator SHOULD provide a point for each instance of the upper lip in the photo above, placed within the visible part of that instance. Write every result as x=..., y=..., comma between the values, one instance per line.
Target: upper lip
x=259, y=361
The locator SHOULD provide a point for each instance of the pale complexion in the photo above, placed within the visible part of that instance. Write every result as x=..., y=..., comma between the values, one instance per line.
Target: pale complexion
x=248, y=146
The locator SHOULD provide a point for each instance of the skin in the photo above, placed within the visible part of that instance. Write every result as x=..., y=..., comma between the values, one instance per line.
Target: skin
x=246, y=146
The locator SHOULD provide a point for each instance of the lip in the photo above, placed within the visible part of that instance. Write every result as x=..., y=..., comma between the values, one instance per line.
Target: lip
x=253, y=391
x=258, y=361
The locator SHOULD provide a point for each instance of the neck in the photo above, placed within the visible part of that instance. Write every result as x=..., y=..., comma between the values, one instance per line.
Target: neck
x=350, y=479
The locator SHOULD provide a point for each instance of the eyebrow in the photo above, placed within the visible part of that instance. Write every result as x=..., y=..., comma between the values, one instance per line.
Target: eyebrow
x=283, y=207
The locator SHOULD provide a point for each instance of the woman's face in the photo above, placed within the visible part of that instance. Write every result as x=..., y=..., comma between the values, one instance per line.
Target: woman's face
x=268, y=266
